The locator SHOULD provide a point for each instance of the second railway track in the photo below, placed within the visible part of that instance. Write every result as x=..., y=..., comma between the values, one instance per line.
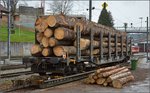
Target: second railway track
x=53, y=82
x=15, y=74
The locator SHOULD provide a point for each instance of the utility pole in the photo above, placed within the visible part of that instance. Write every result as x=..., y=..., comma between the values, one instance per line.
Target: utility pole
x=91, y=35
x=8, y=29
x=147, y=37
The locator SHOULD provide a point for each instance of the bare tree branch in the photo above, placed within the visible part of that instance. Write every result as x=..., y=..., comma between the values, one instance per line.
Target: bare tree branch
x=61, y=6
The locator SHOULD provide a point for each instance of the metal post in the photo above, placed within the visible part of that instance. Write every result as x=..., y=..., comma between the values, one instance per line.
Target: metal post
x=0, y=29
x=9, y=19
x=109, y=46
x=125, y=26
x=131, y=46
x=147, y=37
x=91, y=35
x=116, y=46
x=90, y=10
x=78, y=55
x=101, y=47
x=121, y=46
x=126, y=45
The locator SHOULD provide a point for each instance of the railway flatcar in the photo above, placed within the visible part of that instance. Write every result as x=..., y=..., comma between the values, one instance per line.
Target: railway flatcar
x=68, y=45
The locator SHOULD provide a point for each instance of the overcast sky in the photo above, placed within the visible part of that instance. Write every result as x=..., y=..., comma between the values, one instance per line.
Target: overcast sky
x=122, y=11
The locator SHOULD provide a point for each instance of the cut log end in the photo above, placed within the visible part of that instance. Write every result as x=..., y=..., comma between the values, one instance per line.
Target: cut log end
x=59, y=33
x=51, y=21
x=46, y=52
x=38, y=21
x=42, y=26
x=45, y=42
x=35, y=49
x=58, y=51
x=52, y=42
x=61, y=50
x=48, y=32
x=39, y=37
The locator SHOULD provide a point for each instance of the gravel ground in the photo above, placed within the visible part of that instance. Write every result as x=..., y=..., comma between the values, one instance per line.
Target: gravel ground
x=140, y=85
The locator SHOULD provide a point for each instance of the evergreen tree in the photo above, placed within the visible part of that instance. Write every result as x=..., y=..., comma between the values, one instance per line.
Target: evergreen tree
x=105, y=17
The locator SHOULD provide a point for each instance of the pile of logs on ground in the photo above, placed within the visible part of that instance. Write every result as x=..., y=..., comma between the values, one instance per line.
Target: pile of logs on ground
x=114, y=76
x=56, y=36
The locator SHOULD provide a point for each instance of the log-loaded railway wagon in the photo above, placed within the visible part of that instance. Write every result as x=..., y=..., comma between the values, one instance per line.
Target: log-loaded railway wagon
x=67, y=45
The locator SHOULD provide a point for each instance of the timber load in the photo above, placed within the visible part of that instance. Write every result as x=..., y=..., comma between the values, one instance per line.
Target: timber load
x=57, y=34
x=114, y=76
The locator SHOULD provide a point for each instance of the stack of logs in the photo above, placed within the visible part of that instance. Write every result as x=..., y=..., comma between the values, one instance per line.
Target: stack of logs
x=114, y=76
x=56, y=36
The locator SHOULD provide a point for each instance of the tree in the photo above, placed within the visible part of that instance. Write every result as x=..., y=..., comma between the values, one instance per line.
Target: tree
x=61, y=6
x=105, y=17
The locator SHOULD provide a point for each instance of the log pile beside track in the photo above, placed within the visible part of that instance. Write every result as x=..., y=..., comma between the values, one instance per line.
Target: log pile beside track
x=56, y=36
x=114, y=76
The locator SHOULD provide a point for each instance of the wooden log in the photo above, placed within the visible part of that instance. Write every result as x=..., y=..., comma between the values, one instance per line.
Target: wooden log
x=42, y=26
x=46, y=52
x=92, y=81
x=106, y=74
x=61, y=20
x=62, y=33
x=91, y=78
x=110, y=84
x=100, y=81
x=116, y=76
x=118, y=83
x=61, y=50
x=38, y=21
x=106, y=69
x=84, y=43
x=45, y=41
x=48, y=32
x=85, y=27
x=53, y=42
x=105, y=83
x=95, y=77
x=87, y=81
x=122, y=71
x=39, y=37
x=35, y=49
x=97, y=51
x=99, y=75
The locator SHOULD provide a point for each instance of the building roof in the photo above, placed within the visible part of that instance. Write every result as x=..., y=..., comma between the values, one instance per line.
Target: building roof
x=3, y=9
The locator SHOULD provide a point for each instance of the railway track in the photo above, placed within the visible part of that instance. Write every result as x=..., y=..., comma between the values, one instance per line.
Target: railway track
x=58, y=81
x=10, y=67
x=53, y=82
x=15, y=74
